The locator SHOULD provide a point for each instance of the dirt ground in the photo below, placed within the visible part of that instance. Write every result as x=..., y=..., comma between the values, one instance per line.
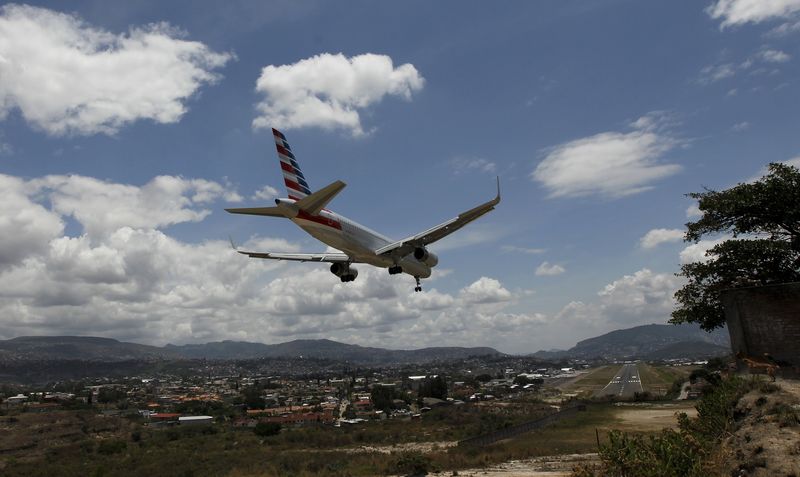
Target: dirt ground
x=547, y=466
x=651, y=417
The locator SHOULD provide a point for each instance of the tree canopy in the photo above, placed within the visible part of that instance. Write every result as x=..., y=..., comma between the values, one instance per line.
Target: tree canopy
x=763, y=220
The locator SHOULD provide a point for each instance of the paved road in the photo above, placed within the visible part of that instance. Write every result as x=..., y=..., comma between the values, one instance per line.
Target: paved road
x=624, y=383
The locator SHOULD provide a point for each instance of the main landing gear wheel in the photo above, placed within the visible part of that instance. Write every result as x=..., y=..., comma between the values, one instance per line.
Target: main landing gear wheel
x=348, y=278
x=417, y=288
x=395, y=270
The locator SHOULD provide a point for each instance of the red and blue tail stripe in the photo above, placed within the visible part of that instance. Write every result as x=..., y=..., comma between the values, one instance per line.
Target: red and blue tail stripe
x=296, y=184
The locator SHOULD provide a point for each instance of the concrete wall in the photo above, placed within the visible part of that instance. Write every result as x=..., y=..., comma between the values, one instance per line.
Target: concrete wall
x=765, y=320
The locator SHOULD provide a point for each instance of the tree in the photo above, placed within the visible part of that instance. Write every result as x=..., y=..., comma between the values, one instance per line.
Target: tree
x=382, y=397
x=763, y=218
x=435, y=387
x=266, y=429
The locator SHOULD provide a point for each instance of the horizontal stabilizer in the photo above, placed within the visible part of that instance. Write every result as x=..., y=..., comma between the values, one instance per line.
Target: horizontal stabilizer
x=315, y=202
x=269, y=211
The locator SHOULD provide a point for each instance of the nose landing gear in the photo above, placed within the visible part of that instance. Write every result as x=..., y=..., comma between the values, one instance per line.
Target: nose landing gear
x=417, y=288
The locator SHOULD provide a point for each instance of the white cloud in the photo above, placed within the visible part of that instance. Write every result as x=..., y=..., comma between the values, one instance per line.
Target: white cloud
x=697, y=252
x=795, y=161
x=26, y=227
x=774, y=56
x=103, y=207
x=693, y=212
x=610, y=164
x=123, y=277
x=67, y=77
x=713, y=73
x=760, y=63
x=485, y=290
x=525, y=250
x=739, y=127
x=266, y=193
x=327, y=91
x=738, y=12
x=656, y=237
x=463, y=164
x=641, y=298
x=785, y=29
x=547, y=270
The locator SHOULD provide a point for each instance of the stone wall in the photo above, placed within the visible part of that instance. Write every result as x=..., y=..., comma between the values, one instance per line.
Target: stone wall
x=765, y=320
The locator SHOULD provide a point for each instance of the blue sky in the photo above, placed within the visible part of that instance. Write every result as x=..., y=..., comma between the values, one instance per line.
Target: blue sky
x=126, y=128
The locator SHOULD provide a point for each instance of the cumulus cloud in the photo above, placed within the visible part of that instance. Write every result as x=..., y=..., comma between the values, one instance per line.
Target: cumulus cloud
x=67, y=77
x=698, y=252
x=738, y=12
x=609, y=164
x=266, y=193
x=641, y=298
x=656, y=237
x=693, y=212
x=328, y=91
x=485, y=290
x=546, y=269
x=26, y=227
x=122, y=275
x=102, y=207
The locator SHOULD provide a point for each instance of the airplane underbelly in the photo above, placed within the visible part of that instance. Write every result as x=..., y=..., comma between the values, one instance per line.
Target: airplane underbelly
x=340, y=240
x=415, y=268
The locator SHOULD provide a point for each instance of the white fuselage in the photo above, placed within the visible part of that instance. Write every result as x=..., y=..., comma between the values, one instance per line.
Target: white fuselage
x=357, y=241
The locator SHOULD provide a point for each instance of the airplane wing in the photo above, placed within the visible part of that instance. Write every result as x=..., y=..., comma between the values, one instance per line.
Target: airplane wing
x=407, y=245
x=333, y=257
x=301, y=257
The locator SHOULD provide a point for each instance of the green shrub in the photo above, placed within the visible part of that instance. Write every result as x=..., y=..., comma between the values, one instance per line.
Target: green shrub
x=674, y=453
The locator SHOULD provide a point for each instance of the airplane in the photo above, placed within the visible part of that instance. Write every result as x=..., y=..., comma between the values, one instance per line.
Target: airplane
x=358, y=244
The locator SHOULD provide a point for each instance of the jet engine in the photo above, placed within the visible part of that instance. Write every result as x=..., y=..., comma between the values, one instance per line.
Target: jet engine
x=423, y=255
x=344, y=271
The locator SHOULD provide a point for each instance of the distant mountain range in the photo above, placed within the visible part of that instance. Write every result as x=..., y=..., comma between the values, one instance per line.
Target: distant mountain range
x=645, y=342
x=107, y=349
x=654, y=342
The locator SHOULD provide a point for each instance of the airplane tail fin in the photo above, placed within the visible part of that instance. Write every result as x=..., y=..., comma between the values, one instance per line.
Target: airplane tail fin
x=296, y=184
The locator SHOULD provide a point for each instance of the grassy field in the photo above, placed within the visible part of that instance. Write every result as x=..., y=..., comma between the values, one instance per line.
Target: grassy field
x=658, y=379
x=83, y=444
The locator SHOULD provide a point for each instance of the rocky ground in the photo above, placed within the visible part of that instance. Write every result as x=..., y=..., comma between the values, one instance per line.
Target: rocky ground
x=767, y=442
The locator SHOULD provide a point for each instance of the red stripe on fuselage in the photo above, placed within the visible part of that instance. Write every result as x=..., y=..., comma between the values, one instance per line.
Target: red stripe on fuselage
x=319, y=220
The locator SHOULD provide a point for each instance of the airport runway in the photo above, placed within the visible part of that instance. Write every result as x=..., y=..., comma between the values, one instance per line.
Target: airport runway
x=624, y=383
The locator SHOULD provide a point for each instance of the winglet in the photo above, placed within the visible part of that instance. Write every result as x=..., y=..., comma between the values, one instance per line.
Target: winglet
x=233, y=245
x=498, y=188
